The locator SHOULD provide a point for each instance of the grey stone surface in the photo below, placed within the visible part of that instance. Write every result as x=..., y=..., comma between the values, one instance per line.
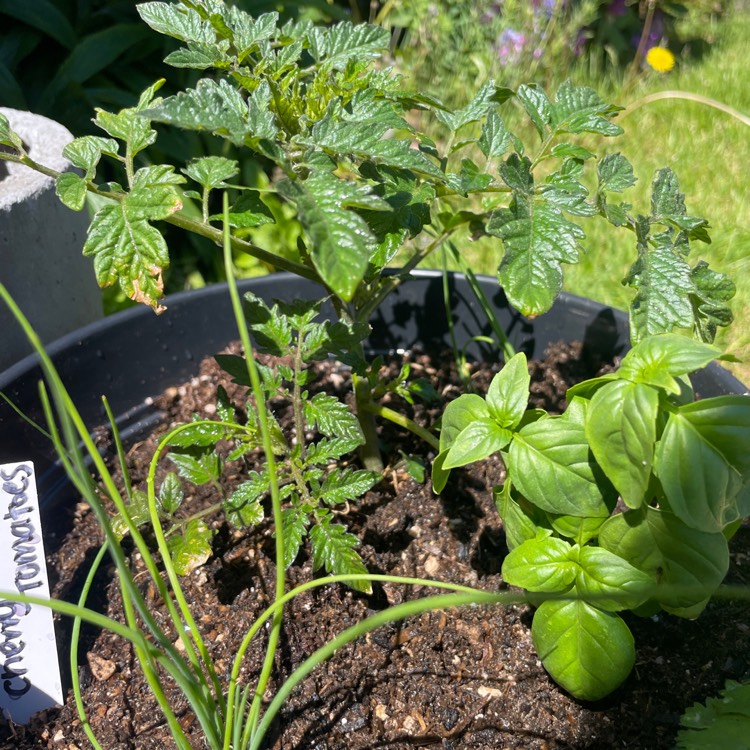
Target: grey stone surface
x=40, y=243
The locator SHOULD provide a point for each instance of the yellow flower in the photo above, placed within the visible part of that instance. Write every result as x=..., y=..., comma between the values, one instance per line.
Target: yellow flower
x=660, y=59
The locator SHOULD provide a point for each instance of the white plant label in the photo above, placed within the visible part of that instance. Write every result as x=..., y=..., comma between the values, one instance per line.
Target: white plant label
x=29, y=667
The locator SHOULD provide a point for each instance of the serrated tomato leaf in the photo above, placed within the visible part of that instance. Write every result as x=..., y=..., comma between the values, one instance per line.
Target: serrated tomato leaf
x=723, y=722
x=202, y=434
x=341, y=485
x=217, y=107
x=191, y=548
x=85, y=152
x=243, y=507
x=137, y=511
x=170, y=494
x=212, y=171
x=333, y=548
x=537, y=239
x=8, y=137
x=615, y=173
x=340, y=239
x=71, y=190
x=332, y=417
x=198, y=467
x=294, y=525
x=126, y=248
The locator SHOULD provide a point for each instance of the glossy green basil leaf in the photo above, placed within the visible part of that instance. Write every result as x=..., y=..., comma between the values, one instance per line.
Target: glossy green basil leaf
x=541, y=564
x=519, y=526
x=475, y=442
x=724, y=423
x=550, y=464
x=621, y=430
x=602, y=573
x=688, y=561
x=657, y=360
x=702, y=461
x=587, y=388
x=458, y=415
x=508, y=394
x=438, y=475
x=578, y=528
x=588, y=651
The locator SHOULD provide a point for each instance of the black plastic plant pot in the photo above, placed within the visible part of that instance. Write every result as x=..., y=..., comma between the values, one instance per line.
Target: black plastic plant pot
x=135, y=355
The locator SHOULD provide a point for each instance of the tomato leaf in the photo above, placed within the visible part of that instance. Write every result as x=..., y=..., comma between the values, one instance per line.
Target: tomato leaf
x=192, y=548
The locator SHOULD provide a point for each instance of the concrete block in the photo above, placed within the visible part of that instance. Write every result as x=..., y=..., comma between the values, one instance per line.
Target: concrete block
x=41, y=242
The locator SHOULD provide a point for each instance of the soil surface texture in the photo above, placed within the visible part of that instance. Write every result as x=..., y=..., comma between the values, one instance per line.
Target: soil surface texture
x=449, y=680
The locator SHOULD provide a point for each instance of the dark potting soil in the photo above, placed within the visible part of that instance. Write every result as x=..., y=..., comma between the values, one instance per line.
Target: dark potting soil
x=461, y=678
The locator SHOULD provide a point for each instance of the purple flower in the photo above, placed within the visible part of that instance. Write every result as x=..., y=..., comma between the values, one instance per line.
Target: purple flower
x=657, y=29
x=547, y=5
x=618, y=8
x=655, y=35
x=510, y=46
